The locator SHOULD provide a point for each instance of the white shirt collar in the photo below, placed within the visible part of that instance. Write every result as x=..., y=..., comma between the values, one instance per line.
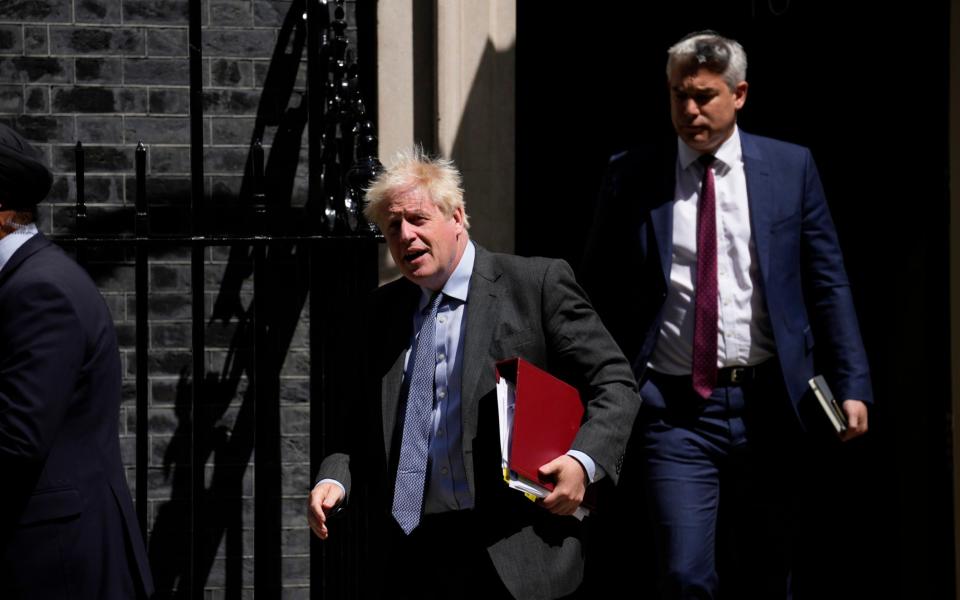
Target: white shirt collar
x=11, y=242
x=729, y=152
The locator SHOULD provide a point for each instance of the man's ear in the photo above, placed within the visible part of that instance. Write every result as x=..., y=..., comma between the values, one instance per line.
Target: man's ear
x=740, y=93
x=458, y=219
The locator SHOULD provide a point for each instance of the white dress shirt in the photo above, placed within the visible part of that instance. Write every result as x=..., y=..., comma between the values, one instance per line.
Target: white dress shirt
x=743, y=330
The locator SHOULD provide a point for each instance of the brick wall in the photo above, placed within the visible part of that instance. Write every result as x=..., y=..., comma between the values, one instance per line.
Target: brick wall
x=112, y=73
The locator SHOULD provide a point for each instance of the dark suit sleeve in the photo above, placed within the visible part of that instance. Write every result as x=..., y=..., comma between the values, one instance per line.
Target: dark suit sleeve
x=43, y=350
x=607, y=238
x=353, y=392
x=839, y=349
x=621, y=270
x=591, y=361
x=336, y=466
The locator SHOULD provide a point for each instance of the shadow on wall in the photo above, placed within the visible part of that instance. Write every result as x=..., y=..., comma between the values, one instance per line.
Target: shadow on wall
x=487, y=161
x=221, y=514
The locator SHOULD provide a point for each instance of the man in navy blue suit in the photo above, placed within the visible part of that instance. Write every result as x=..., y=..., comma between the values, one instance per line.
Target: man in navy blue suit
x=715, y=264
x=67, y=524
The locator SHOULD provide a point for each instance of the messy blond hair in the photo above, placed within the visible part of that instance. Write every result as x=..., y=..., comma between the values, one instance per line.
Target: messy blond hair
x=413, y=169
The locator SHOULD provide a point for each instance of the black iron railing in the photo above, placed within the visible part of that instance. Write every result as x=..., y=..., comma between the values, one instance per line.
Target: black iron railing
x=332, y=251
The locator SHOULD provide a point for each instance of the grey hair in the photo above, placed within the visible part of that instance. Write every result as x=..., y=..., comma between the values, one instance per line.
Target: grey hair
x=412, y=169
x=709, y=50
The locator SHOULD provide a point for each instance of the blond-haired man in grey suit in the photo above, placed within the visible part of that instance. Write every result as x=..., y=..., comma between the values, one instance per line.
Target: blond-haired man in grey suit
x=457, y=530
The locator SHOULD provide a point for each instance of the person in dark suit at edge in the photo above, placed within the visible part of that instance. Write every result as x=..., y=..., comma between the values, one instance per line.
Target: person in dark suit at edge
x=67, y=522
x=454, y=528
x=714, y=261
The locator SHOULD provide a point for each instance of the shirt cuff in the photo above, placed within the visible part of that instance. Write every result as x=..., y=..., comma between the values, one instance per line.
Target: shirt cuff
x=340, y=485
x=594, y=472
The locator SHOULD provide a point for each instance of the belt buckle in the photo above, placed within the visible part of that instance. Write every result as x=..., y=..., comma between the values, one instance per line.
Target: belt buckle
x=737, y=374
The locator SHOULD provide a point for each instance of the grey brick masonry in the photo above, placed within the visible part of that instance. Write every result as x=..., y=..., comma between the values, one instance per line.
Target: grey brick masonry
x=112, y=73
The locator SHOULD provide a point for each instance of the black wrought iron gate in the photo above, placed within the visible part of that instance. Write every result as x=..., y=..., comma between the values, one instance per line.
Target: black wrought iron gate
x=320, y=256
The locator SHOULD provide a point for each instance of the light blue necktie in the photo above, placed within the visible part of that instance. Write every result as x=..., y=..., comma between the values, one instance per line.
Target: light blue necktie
x=415, y=444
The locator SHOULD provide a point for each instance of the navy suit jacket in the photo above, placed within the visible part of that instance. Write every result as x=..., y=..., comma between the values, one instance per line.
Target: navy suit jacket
x=67, y=524
x=527, y=307
x=628, y=258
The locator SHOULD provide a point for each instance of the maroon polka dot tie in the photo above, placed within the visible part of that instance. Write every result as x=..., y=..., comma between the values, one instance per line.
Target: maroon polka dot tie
x=704, y=365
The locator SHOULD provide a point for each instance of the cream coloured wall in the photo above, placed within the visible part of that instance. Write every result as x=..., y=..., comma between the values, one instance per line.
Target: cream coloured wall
x=446, y=80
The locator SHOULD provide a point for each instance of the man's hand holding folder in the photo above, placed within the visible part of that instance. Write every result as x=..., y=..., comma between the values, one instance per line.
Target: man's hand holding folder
x=850, y=421
x=539, y=419
x=570, y=484
x=856, y=413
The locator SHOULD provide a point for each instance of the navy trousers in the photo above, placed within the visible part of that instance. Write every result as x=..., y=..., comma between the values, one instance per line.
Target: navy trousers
x=720, y=479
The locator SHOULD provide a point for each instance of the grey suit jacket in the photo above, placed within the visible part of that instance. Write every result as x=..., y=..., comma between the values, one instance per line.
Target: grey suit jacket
x=527, y=307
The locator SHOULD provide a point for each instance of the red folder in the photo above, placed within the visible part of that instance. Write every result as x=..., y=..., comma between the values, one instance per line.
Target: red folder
x=546, y=418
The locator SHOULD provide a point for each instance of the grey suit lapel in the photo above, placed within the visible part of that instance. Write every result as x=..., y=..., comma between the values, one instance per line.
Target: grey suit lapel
x=482, y=317
x=760, y=198
x=390, y=394
x=398, y=341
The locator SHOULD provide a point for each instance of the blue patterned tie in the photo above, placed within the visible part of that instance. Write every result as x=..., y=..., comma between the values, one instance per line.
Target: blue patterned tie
x=415, y=445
